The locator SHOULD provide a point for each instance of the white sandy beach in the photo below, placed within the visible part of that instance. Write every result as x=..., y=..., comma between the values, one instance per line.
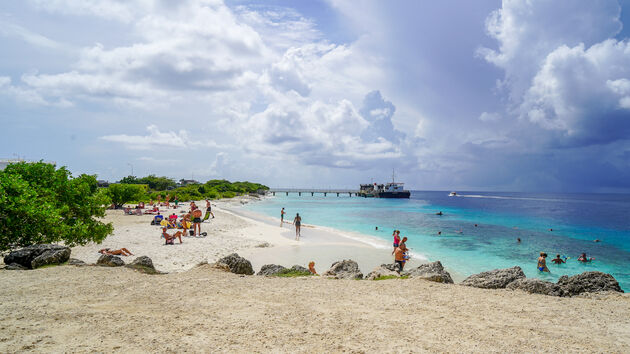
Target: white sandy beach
x=196, y=308
x=229, y=232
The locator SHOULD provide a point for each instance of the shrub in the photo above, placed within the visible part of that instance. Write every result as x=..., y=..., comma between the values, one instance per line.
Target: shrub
x=291, y=273
x=120, y=194
x=42, y=204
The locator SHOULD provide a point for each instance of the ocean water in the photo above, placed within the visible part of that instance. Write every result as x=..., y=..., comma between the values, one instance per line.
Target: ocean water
x=480, y=229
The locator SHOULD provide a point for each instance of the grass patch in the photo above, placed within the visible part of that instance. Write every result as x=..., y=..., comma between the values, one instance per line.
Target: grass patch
x=385, y=277
x=290, y=273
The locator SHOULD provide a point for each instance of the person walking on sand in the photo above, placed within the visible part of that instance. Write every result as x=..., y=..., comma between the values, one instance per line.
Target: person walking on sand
x=282, y=212
x=396, y=235
x=209, y=208
x=297, y=221
x=542, y=263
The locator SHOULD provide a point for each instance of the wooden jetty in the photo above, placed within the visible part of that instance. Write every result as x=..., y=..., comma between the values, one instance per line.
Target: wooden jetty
x=313, y=191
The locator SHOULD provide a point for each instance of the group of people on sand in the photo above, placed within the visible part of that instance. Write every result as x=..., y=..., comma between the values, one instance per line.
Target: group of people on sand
x=400, y=252
x=297, y=222
x=542, y=261
x=193, y=217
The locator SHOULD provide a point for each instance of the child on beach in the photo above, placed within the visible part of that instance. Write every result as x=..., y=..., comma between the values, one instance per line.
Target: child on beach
x=311, y=268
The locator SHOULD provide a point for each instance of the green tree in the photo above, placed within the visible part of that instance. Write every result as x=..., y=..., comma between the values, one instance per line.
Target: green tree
x=154, y=182
x=120, y=193
x=41, y=204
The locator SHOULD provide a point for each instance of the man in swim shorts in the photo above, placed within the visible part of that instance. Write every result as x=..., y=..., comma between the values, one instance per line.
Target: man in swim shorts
x=558, y=260
x=542, y=263
x=196, y=214
x=209, y=208
x=399, y=258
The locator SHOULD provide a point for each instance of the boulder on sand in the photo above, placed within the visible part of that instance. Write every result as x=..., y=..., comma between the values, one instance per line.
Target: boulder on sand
x=143, y=264
x=383, y=270
x=237, y=264
x=431, y=271
x=537, y=286
x=299, y=268
x=589, y=282
x=76, y=262
x=108, y=260
x=15, y=266
x=38, y=255
x=346, y=269
x=270, y=269
x=494, y=279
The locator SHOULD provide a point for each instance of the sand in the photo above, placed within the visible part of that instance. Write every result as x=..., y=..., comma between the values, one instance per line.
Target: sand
x=86, y=309
x=201, y=309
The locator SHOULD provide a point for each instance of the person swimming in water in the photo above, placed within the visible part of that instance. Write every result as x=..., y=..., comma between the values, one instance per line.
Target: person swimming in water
x=558, y=260
x=542, y=263
x=583, y=258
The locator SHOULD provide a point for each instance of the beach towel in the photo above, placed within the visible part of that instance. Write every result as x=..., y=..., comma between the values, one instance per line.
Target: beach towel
x=206, y=216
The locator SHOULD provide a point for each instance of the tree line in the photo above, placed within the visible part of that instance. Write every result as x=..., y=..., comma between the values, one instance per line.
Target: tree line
x=40, y=203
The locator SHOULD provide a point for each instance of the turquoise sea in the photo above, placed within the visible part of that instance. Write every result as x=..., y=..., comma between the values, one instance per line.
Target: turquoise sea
x=565, y=224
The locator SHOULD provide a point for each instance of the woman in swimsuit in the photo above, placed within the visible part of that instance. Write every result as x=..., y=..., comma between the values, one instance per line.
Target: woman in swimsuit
x=297, y=222
x=542, y=263
x=396, y=235
x=121, y=252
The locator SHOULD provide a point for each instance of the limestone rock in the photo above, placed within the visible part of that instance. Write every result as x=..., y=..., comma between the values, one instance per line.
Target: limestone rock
x=263, y=245
x=431, y=271
x=299, y=268
x=53, y=256
x=237, y=264
x=346, y=269
x=537, y=286
x=382, y=271
x=589, y=282
x=44, y=253
x=108, y=260
x=15, y=266
x=494, y=279
x=271, y=269
x=143, y=264
x=76, y=262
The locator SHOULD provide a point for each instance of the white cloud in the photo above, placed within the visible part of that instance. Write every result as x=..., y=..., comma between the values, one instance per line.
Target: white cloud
x=582, y=93
x=154, y=138
x=489, y=117
x=527, y=31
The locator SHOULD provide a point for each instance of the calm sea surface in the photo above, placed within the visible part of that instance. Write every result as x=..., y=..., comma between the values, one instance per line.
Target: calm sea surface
x=576, y=219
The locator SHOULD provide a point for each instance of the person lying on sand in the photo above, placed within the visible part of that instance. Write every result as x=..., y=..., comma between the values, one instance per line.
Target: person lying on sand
x=121, y=252
x=311, y=268
x=170, y=238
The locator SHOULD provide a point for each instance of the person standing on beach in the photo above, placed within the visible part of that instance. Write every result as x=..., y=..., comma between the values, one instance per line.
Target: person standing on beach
x=399, y=258
x=196, y=213
x=542, y=263
x=209, y=208
x=396, y=235
x=282, y=212
x=297, y=221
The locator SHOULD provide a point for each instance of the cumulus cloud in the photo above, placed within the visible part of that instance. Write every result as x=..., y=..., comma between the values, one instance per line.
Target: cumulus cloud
x=563, y=72
x=155, y=138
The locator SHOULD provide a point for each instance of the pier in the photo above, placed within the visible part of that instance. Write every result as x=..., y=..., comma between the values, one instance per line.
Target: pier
x=313, y=191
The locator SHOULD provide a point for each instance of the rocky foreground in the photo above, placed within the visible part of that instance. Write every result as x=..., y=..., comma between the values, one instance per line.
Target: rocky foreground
x=105, y=309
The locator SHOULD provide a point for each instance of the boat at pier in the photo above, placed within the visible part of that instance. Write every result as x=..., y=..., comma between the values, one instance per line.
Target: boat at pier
x=392, y=189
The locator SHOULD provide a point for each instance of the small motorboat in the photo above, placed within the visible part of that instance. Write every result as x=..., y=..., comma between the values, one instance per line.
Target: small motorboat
x=452, y=194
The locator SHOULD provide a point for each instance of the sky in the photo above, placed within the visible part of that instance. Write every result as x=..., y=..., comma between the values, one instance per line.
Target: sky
x=512, y=95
